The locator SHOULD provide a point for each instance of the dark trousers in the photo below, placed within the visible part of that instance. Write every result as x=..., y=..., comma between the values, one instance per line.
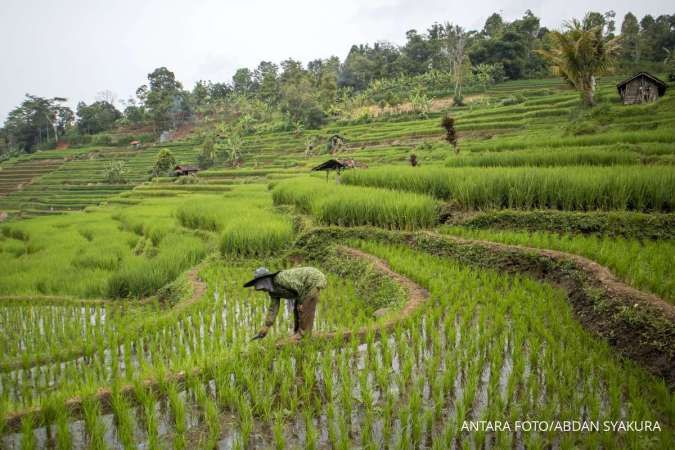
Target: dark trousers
x=303, y=313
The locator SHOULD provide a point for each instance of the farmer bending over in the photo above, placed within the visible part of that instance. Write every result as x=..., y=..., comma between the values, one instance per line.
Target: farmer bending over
x=301, y=284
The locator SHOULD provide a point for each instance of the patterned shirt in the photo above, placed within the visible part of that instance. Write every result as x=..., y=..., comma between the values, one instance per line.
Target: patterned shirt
x=300, y=280
x=293, y=284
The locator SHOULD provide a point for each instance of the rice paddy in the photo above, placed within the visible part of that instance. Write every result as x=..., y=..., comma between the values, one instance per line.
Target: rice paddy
x=124, y=323
x=577, y=188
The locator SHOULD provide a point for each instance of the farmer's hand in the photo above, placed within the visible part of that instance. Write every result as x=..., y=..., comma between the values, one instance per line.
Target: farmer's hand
x=261, y=334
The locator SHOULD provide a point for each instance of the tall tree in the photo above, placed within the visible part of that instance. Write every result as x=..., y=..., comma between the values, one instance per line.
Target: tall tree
x=266, y=78
x=97, y=117
x=455, y=49
x=630, y=35
x=242, y=81
x=36, y=121
x=165, y=100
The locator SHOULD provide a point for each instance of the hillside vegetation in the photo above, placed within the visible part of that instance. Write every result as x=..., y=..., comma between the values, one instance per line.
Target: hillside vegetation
x=128, y=293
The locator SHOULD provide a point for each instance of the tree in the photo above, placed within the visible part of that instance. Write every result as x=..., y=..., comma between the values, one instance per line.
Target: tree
x=487, y=74
x=455, y=46
x=164, y=164
x=207, y=157
x=200, y=94
x=494, y=26
x=630, y=35
x=266, y=78
x=416, y=54
x=107, y=96
x=37, y=121
x=133, y=113
x=97, y=117
x=165, y=100
x=230, y=150
x=580, y=54
x=219, y=91
x=242, y=81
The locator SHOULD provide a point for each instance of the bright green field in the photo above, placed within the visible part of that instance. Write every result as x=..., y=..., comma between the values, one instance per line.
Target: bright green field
x=97, y=285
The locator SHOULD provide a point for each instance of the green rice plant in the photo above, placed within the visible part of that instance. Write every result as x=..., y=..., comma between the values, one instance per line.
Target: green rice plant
x=124, y=420
x=28, y=440
x=198, y=216
x=613, y=223
x=64, y=440
x=256, y=235
x=564, y=188
x=141, y=277
x=546, y=158
x=177, y=407
x=644, y=264
x=278, y=432
x=311, y=432
x=94, y=425
x=351, y=206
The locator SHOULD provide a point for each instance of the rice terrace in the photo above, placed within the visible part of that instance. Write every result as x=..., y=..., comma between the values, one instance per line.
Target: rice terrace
x=486, y=216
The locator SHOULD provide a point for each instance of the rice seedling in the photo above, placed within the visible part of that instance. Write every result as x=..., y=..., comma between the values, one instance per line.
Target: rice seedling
x=177, y=407
x=28, y=441
x=94, y=426
x=278, y=430
x=124, y=419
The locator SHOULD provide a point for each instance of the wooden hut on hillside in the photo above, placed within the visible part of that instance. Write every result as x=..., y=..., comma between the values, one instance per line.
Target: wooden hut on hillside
x=182, y=170
x=641, y=88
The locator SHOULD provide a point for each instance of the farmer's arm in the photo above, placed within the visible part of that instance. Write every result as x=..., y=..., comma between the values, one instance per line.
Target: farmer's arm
x=271, y=316
x=272, y=311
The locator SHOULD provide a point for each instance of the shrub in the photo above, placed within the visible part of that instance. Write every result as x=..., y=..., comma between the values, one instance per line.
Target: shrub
x=102, y=139
x=115, y=172
x=164, y=164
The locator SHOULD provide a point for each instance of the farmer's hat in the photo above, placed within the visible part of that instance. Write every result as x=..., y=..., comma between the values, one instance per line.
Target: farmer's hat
x=260, y=273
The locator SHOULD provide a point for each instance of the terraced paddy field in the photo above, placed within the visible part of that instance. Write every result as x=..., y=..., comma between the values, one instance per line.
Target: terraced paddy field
x=528, y=278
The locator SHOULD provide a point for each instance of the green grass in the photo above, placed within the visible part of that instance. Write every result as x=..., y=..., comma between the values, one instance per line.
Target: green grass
x=563, y=188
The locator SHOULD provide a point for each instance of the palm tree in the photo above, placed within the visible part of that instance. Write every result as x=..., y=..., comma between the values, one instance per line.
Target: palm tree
x=581, y=53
